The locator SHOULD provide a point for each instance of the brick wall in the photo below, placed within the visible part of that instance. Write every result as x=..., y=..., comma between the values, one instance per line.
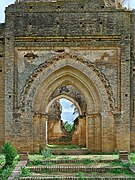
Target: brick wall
x=2, y=102
x=93, y=39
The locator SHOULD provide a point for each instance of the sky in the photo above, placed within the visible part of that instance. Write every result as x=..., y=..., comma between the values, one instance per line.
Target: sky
x=5, y=3
x=67, y=111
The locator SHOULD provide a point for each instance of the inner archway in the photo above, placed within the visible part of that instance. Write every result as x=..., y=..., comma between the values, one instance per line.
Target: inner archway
x=69, y=114
x=65, y=122
x=47, y=87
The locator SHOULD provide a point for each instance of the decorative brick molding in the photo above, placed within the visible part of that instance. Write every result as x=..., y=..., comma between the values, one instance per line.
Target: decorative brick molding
x=60, y=57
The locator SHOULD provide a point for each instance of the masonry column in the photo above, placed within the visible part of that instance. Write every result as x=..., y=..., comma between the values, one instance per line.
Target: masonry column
x=36, y=132
x=98, y=133
x=82, y=131
x=107, y=126
x=90, y=143
x=124, y=126
x=120, y=128
x=9, y=77
x=93, y=132
x=118, y=138
x=43, y=131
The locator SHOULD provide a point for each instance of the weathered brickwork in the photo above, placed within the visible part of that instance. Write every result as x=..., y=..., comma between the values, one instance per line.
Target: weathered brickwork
x=87, y=45
x=2, y=113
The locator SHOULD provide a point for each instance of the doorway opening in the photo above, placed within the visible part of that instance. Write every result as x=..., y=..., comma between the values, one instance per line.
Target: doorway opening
x=69, y=114
x=64, y=124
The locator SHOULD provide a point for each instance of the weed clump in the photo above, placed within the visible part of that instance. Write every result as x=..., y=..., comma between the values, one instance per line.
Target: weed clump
x=47, y=153
x=25, y=171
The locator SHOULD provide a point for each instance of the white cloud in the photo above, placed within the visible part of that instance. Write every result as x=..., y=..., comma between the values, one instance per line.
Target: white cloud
x=67, y=111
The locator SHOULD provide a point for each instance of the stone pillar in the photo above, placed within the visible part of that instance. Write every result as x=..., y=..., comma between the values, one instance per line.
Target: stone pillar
x=93, y=132
x=39, y=131
x=82, y=131
x=107, y=120
x=9, y=76
x=117, y=117
x=43, y=131
x=121, y=136
x=98, y=134
x=36, y=133
x=90, y=132
x=125, y=94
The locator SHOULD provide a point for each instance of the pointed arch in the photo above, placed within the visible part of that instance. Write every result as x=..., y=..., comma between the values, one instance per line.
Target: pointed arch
x=68, y=70
x=87, y=69
x=66, y=97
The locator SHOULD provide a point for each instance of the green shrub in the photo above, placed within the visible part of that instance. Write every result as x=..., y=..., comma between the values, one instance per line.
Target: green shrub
x=34, y=162
x=1, y=171
x=79, y=175
x=117, y=171
x=46, y=153
x=25, y=171
x=10, y=153
x=132, y=158
x=126, y=164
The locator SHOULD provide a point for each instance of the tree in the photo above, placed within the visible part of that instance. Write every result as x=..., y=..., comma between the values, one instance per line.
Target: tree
x=68, y=127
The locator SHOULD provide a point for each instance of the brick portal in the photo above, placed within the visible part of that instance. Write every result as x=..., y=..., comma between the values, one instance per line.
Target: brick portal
x=85, y=46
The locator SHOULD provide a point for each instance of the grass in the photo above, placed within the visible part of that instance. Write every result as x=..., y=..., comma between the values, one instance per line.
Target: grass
x=86, y=160
x=125, y=171
x=62, y=146
x=120, y=163
x=132, y=158
x=47, y=153
x=80, y=175
x=37, y=157
x=25, y=172
x=84, y=175
x=37, y=162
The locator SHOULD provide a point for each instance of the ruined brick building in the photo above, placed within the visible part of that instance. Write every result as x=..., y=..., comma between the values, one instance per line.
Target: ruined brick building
x=81, y=50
